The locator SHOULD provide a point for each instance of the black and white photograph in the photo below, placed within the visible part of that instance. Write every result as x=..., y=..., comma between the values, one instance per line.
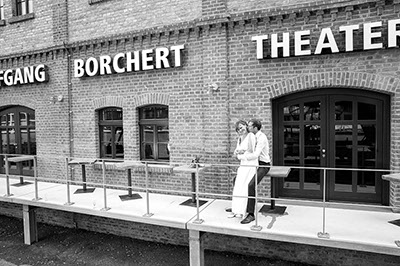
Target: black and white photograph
x=200, y=132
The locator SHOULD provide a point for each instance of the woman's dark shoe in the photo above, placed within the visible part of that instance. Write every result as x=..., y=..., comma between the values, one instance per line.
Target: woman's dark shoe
x=249, y=218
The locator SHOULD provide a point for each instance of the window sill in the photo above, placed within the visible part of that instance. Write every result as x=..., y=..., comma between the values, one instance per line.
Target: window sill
x=92, y=2
x=21, y=18
x=2, y=22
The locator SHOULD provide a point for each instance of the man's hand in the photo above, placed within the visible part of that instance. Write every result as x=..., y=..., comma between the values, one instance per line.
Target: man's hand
x=239, y=152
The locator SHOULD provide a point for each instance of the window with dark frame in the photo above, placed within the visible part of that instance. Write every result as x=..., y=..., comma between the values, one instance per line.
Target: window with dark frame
x=23, y=7
x=154, y=133
x=1, y=9
x=111, y=133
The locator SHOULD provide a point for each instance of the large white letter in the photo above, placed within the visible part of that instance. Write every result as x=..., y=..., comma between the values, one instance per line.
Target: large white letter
x=8, y=80
x=91, y=66
x=259, y=45
x=393, y=33
x=78, y=68
x=285, y=44
x=146, y=58
x=326, y=32
x=299, y=42
x=116, y=62
x=178, y=56
x=132, y=61
x=369, y=35
x=1, y=77
x=162, y=58
x=29, y=74
x=18, y=77
x=41, y=73
x=104, y=62
x=349, y=34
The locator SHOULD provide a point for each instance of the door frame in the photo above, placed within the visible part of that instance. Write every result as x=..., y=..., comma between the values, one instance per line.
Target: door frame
x=328, y=94
x=20, y=169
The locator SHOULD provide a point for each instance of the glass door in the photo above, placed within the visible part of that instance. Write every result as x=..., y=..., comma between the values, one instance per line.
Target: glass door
x=17, y=136
x=354, y=145
x=346, y=129
x=303, y=145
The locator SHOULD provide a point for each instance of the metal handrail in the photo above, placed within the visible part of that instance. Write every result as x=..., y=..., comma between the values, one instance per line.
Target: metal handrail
x=197, y=193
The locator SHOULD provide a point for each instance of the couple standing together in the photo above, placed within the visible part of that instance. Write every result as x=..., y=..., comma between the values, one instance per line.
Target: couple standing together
x=252, y=150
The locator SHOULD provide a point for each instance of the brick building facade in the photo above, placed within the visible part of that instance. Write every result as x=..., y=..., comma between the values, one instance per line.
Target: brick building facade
x=320, y=106
x=328, y=97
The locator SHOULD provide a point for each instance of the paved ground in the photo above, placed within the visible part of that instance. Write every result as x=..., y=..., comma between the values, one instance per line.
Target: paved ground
x=63, y=246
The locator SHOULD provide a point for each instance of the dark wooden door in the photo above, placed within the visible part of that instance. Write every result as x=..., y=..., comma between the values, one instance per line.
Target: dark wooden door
x=17, y=136
x=333, y=129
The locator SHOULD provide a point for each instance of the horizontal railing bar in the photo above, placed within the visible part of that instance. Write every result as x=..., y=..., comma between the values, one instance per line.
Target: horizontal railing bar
x=122, y=187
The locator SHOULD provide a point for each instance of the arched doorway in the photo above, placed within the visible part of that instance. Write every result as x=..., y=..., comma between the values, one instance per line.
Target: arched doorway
x=338, y=128
x=17, y=136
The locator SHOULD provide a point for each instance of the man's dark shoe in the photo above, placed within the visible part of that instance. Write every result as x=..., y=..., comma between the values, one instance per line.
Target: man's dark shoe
x=249, y=218
x=228, y=209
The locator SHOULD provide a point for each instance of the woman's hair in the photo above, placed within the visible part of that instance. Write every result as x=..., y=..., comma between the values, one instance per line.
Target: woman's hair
x=240, y=122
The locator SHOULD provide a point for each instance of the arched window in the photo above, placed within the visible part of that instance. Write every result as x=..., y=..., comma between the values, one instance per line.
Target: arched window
x=18, y=136
x=111, y=133
x=154, y=133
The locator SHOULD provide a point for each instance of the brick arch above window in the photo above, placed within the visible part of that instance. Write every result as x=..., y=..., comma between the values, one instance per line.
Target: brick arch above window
x=336, y=79
x=109, y=101
x=19, y=100
x=151, y=98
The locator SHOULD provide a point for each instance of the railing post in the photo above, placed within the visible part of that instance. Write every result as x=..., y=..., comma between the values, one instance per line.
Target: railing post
x=68, y=185
x=147, y=214
x=256, y=227
x=35, y=177
x=7, y=178
x=198, y=220
x=323, y=234
x=104, y=187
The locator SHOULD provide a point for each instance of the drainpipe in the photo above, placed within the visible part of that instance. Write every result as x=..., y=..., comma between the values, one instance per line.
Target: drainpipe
x=70, y=113
x=69, y=84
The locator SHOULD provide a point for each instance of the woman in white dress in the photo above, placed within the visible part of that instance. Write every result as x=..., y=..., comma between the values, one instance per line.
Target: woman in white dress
x=246, y=144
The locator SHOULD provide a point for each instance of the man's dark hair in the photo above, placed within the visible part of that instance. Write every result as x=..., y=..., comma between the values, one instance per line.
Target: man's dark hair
x=256, y=123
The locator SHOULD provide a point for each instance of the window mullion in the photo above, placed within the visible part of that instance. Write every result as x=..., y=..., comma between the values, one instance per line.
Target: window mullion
x=113, y=148
x=155, y=142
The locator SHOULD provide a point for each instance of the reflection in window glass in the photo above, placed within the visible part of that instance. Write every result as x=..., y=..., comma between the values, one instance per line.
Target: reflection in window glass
x=312, y=111
x=366, y=146
x=24, y=7
x=3, y=120
x=154, y=112
x=366, y=182
x=32, y=119
x=343, y=110
x=1, y=9
x=292, y=155
x=291, y=113
x=4, y=146
x=343, y=145
x=111, y=133
x=23, y=119
x=154, y=132
x=10, y=119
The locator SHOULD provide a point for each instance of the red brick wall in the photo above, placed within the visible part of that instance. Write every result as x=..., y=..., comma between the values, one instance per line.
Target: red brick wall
x=115, y=17
x=201, y=123
x=47, y=29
